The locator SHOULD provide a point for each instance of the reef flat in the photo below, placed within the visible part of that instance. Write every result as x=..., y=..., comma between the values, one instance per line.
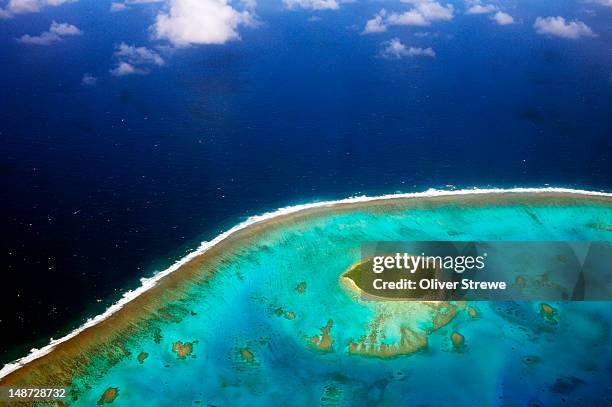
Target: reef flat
x=263, y=311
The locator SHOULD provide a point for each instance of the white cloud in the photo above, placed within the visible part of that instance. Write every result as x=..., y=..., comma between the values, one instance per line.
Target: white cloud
x=411, y=17
x=477, y=7
x=28, y=6
x=137, y=55
x=395, y=49
x=88, y=80
x=55, y=34
x=64, y=29
x=481, y=9
x=312, y=4
x=188, y=22
x=376, y=24
x=114, y=7
x=502, y=18
x=134, y=60
x=557, y=26
x=124, y=5
x=45, y=38
x=605, y=3
x=125, y=68
x=423, y=13
x=249, y=4
x=432, y=10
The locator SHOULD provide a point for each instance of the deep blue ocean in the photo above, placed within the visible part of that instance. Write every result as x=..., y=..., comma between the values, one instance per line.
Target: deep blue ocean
x=105, y=184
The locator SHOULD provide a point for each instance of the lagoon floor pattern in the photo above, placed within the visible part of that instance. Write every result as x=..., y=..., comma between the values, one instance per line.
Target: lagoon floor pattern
x=275, y=326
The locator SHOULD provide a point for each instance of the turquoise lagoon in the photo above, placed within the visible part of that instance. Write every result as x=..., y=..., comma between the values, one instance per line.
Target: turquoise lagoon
x=269, y=322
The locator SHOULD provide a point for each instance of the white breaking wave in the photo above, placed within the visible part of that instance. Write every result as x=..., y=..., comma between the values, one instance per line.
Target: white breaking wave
x=148, y=283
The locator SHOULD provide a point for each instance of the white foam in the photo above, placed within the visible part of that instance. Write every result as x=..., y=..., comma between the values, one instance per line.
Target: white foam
x=148, y=283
